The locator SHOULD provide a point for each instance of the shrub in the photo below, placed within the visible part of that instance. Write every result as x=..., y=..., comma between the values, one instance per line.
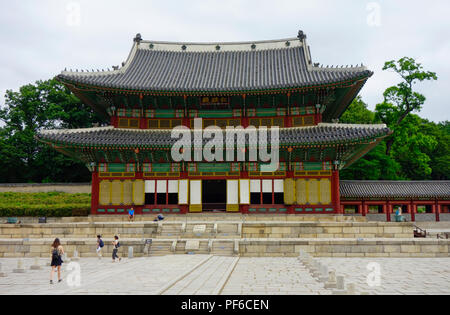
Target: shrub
x=44, y=205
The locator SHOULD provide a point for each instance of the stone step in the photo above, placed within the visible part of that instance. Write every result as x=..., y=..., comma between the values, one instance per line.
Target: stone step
x=204, y=217
x=327, y=247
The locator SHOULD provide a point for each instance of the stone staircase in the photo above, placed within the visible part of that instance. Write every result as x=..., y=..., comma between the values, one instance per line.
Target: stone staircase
x=171, y=230
x=160, y=248
x=223, y=248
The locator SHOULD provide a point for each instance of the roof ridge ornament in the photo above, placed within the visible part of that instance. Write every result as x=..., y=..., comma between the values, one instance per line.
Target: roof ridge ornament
x=138, y=38
x=301, y=35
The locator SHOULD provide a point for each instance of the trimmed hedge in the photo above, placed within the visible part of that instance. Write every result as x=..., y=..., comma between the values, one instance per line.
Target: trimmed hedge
x=51, y=204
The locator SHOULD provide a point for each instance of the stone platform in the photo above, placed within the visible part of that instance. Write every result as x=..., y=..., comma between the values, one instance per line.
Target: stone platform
x=210, y=229
x=377, y=247
x=238, y=235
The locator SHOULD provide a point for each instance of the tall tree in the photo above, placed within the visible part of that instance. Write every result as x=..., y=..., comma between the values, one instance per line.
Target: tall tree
x=358, y=113
x=375, y=164
x=401, y=100
x=440, y=154
x=43, y=105
x=412, y=148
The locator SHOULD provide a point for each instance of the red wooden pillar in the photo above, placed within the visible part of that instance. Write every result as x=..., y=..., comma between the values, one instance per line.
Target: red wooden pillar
x=142, y=123
x=388, y=212
x=336, y=192
x=287, y=121
x=438, y=211
x=156, y=192
x=364, y=209
x=94, y=192
x=319, y=118
x=413, y=212
x=187, y=122
x=273, y=191
x=167, y=192
x=261, y=186
x=245, y=122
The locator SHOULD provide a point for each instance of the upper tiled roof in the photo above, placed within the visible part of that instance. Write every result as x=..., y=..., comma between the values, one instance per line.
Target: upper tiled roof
x=314, y=135
x=395, y=189
x=219, y=67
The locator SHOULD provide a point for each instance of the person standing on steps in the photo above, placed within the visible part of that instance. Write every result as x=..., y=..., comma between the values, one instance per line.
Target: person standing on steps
x=100, y=245
x=116, y=244
x=57, y=252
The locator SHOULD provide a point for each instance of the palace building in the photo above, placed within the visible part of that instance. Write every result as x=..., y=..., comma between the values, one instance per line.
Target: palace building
x=163, y=85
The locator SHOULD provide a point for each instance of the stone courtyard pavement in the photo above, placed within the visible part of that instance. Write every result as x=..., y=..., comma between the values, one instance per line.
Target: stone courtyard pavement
x=205, y=274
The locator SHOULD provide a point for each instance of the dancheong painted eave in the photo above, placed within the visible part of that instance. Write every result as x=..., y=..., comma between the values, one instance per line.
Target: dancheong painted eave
x=321, y=134
x=244, y=67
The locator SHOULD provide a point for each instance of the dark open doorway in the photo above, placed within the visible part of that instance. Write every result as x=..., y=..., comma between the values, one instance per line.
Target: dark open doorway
x=214, y=195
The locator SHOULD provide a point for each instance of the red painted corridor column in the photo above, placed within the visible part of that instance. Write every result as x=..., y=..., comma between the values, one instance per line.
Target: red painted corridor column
x=94, y=192
x=438, y=211
x=336, y=192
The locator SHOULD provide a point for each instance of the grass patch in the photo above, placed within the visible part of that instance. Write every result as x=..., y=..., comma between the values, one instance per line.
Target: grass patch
x=51, y=204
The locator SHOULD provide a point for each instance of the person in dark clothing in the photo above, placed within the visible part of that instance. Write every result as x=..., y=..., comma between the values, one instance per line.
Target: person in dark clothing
x=57, y=252
x=116, y=249
x=100, y=245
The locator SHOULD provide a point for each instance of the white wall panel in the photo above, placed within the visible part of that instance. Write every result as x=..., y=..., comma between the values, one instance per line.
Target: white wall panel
x=173, y=186
x=196, y=192
x=278, y=186
x=161, y=186
x=232, y=192
x=244, y=191
x=255, y=186
x=149, y=186
x=267, y=186
x=183, y=189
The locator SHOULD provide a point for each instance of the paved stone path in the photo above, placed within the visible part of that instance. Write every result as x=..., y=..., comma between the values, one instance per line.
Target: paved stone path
x=205, y=274
x=398, y=276
x=274, y=276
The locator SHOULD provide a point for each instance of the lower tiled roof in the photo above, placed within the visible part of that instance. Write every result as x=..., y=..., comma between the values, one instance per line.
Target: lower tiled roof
x=395, y=189
x=314, y=135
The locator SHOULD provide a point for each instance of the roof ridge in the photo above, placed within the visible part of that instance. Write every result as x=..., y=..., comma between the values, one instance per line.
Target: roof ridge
x=221, y=43
x=381, y=126
x=74, y=130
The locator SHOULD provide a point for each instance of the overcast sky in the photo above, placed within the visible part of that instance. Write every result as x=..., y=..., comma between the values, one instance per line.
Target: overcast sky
x=38, y=39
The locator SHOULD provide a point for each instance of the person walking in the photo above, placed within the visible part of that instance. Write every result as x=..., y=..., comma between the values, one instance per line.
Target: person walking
x=56, y=252
x=116, y=244
x=100, y=245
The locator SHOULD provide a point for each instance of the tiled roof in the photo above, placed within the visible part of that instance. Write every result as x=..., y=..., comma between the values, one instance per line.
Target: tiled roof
x=222, y=67
x=395, y=189
x=320, y=134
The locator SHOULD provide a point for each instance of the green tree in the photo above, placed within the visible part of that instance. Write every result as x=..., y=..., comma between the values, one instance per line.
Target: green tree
x=401, y=100
x=358, y=113
x=43, y=105
x=375, y=164
x=440, y=154
x=412, y=147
